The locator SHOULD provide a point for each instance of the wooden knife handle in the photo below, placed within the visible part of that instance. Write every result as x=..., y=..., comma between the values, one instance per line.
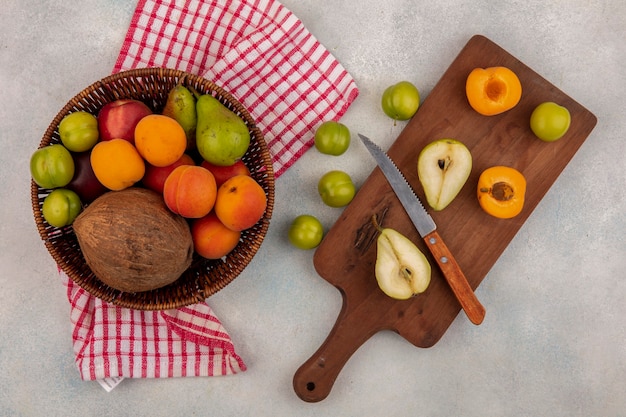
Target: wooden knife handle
x=455, y=277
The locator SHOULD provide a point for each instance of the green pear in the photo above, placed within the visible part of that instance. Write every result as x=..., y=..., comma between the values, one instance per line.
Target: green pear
x=443, y=167
x=181, y=106
x=402, y=270
x=222, y=137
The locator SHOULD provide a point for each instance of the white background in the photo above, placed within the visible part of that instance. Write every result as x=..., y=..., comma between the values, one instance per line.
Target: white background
x=553, y=340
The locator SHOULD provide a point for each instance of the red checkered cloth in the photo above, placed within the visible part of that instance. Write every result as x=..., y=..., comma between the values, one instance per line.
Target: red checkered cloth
x=263, y=55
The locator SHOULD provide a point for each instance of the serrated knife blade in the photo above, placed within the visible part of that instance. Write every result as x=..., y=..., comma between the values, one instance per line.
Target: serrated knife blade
x=427, y=229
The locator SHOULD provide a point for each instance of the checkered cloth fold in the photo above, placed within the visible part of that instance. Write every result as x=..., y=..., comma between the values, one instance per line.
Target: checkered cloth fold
x=262, y=54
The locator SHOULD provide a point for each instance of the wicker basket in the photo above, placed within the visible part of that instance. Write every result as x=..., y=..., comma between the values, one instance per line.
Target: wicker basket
x=204, y=277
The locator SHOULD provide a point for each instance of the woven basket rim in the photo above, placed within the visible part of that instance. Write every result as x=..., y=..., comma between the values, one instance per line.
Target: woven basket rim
x=204, y=278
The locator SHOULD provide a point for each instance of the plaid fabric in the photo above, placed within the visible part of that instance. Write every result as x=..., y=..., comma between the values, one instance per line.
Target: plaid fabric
x=263, y=55
x=258, y=51
x=110, y=341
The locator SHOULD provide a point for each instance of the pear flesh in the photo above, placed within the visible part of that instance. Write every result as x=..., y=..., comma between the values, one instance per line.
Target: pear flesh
x=443, y=167
x=402, y=270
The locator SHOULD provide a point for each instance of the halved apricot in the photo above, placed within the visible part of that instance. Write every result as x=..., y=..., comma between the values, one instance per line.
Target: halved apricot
x=493, y=90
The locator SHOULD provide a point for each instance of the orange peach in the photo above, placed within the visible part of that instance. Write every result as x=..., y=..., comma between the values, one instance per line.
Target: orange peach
x=223, y=173
x=240, y=202
x=190, y=191
x=155, y=177
x=211, y=239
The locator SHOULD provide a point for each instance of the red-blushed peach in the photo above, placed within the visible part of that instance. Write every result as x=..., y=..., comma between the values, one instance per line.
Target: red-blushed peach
x=155, y=177
x=211, y=239
x=190, y=191
x=240, y=202
x=117, y=119
x=223, y=173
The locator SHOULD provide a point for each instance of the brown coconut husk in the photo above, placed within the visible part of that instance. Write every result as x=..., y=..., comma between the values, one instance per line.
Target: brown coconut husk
x=132, y=241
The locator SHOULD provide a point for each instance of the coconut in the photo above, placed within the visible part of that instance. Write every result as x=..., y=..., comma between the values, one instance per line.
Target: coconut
x=132, y=242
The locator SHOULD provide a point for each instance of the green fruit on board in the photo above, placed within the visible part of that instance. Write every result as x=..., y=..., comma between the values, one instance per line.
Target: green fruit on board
x=550, y=121
x=222, y=137
x=181, y=106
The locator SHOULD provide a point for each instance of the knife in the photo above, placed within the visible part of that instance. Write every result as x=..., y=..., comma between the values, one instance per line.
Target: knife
x=427, y=229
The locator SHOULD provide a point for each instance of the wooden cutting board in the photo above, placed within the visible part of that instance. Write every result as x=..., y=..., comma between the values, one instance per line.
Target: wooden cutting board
x=347, y=255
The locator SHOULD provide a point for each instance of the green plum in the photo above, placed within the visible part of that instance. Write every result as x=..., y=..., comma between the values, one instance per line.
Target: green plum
x=332, y=138
x=336, y=188
x=79, y=131
x=61, y=207
x=52, y=166
x=550, y=121
x=400, y=101
x=306, y=232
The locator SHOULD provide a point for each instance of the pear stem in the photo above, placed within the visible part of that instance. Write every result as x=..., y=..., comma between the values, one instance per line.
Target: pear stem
x=375, y=223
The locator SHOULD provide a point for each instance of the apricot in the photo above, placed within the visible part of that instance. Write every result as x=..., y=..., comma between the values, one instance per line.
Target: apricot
x=211, y=239
x=493, y=90
x=117, y=164
x=240, y=203
x=190, y=191
x=160, y=140
x=501, y=191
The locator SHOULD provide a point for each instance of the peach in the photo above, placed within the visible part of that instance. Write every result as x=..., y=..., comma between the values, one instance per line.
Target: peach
x=155, y=177
x=223, y=173
x=211, y=239
x=240, y=202
x=190, y=191
x=117, y=119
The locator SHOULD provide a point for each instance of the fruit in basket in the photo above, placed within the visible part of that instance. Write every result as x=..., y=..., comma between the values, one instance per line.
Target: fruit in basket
x=336, y=188
x=190, y=191
x=493, y=90
x=550, y=121
x=181, y=106
x=211, y=239
x=401, y=269
x=84, y=183
x=222, y=137
x=240, y=203
x=117, y=164
x=443, y=167
x=332, y=138
x=61, y=207
x=132, y=242
x=223, y=173
x=155, y=177
x=79, y=131
x=160, y=140
x=52, y=166
x=117, y=119
x=501, y=191
x=401, y=100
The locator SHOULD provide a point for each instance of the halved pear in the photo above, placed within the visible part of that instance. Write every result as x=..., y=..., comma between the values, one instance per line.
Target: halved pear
x=443, y=167
x=402, y=270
